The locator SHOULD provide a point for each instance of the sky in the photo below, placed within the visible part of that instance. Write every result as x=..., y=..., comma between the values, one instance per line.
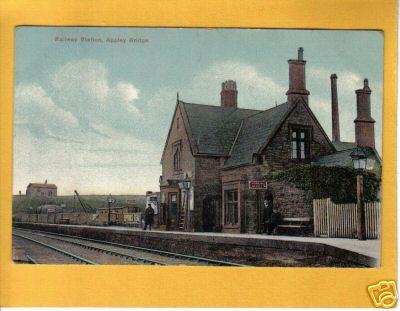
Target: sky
x=93, y=105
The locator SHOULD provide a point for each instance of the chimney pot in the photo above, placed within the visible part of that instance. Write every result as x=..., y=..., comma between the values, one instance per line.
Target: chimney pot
x=364, y=123
x=229, y=94
x=300, y=53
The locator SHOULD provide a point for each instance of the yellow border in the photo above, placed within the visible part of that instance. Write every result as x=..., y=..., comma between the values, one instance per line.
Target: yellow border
x=24, y=285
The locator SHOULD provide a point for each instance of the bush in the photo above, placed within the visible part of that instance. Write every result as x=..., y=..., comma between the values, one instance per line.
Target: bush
x=337, y=183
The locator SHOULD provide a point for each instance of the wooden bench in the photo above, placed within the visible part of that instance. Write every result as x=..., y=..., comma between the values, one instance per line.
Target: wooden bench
x=296, y=226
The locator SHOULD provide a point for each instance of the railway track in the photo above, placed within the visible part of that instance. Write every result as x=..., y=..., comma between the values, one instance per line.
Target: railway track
x=79, y=258
x=56, y=249
x=31, y=260
x=116, y=249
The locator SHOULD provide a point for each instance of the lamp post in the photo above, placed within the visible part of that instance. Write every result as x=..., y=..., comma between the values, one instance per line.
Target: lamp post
x=109, y=201
x=361, y=162
x=185, y=185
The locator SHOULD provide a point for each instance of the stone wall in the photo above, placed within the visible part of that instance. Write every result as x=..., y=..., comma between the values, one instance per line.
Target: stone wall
x=277, y=155
x=239, y=249
x=178, y=134
x=207, y=184
x=288, y=200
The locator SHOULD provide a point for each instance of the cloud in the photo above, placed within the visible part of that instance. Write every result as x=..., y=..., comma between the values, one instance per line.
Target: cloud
x=35, y=110
x=82, y=127
x=84, y=88
x=255, y=89
x=83, y=77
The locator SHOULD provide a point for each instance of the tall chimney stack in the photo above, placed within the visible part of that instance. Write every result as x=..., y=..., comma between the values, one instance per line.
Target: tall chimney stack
x=297, y=80
x=335, y=109
x=229, y=94
x=364, y=124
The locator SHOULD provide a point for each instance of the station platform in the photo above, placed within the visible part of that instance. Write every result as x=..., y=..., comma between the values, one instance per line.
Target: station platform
x=257, y=249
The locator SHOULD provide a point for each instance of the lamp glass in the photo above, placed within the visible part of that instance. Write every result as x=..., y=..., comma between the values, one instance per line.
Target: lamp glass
x=363, y=163
x=356, y=163
x=370, y=164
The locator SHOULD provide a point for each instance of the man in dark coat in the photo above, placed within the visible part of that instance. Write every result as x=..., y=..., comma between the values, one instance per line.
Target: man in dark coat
x=148, y=217
x=276, y=219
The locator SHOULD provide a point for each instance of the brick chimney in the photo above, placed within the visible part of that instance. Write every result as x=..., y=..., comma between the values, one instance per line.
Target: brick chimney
x=229, y=94
x=297, y=80
x=335, y=109
x=364, y=123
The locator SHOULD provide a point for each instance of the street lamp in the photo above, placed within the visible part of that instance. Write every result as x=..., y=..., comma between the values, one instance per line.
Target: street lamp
x=109, y=201
x=361, y=161
x=185, y=184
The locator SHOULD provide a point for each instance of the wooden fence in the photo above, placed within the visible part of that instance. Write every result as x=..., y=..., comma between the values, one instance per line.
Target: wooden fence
x=340, y=220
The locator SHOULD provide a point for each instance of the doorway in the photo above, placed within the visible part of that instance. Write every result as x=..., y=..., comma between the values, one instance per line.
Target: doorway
x=210, y=206
x=172, y=210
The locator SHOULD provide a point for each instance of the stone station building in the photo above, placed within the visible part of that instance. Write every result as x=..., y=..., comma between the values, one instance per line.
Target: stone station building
x=213, y=152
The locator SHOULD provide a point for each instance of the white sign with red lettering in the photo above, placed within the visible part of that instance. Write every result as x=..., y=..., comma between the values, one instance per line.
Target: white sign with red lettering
x=257, y=184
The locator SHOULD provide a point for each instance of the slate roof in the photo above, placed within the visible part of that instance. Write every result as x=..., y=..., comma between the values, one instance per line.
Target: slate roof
x=234, y=132
x=255, y=131
x=343, y=158
x=343, y=145
x=239, y=133
x=214, y=128
x=340, y=158
x=39, y=185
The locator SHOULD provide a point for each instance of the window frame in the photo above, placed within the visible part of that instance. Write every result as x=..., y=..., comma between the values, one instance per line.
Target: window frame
x=295, y=136
x=231, y=207
x=177, y=156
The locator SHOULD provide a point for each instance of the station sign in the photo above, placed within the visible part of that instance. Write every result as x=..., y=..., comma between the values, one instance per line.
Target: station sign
x=257, y=184
x=51, y=210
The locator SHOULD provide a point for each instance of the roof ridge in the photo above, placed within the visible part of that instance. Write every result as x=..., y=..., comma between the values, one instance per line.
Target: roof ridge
x=262, y=111
x=208, y=105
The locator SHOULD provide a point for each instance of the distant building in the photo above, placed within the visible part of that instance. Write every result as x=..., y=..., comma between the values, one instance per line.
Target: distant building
x=41, y=190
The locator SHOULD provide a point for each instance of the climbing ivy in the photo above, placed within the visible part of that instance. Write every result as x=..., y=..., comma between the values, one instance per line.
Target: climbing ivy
x=337, y=183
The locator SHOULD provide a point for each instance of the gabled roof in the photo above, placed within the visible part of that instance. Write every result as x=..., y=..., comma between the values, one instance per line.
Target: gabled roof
x=254, y=132
x=39, y=185
x=213, y=128
x=234, y=133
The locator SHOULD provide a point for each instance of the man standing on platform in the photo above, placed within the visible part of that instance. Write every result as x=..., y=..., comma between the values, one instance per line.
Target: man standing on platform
x=148, y=217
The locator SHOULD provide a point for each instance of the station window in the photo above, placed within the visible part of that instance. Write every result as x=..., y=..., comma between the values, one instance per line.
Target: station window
x=231, y=211
x=300, y=143
x=177, y=160
x=177, y=152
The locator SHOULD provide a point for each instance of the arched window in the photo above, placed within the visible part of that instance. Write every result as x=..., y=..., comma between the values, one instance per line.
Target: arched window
x=177, y=159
